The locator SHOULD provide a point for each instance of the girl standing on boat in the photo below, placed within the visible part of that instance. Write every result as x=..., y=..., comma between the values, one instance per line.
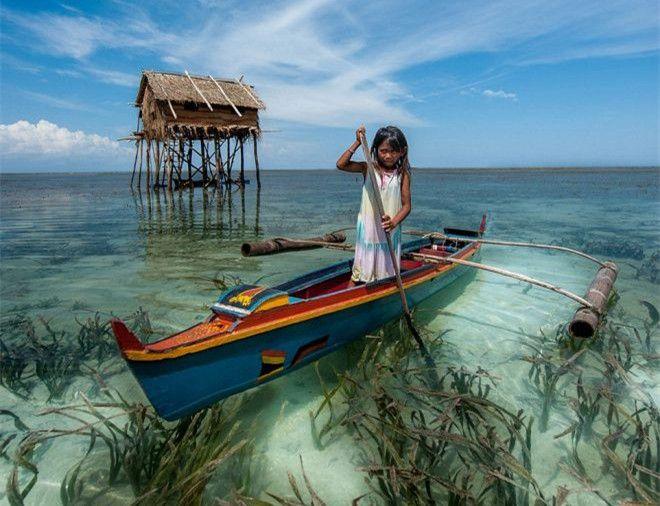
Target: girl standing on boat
x=390, y=153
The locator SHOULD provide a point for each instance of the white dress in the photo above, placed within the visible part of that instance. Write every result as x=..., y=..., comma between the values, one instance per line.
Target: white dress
x=372, y=255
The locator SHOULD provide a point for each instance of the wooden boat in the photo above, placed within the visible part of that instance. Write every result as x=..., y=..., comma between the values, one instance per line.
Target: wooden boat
x=256, y=333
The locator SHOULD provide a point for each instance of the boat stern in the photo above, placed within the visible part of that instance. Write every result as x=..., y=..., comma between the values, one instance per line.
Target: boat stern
x=126, y=339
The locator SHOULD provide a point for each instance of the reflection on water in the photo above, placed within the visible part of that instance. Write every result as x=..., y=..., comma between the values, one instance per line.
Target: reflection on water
x=75, y=246
x=203, y=212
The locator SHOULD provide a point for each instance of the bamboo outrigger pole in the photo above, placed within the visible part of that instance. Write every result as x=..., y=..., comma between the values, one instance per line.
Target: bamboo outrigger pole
x=594, y=304
x=395, y=261
x=438, y=235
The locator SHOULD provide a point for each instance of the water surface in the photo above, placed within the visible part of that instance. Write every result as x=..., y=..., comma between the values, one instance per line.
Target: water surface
x=72, y=245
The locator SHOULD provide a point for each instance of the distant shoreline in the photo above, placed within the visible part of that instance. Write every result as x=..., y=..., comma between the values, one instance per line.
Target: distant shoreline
x=475, y=170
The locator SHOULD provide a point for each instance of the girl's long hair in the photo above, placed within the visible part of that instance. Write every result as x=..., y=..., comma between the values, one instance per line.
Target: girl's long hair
x=397, y=142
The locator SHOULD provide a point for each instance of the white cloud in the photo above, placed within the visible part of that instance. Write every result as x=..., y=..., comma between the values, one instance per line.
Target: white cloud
x=48, y=139
x=500, y=94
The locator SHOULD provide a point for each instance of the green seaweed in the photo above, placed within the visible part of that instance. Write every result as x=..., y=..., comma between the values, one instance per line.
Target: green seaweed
x=430, y=443
x=162, y=463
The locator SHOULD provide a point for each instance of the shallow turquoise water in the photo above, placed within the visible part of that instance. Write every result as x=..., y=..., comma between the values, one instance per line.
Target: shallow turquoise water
x=71, y=245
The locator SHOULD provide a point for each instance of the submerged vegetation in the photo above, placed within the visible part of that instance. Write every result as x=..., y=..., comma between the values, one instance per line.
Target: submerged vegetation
x=418, y=440
x=33, y=353
x=426, y=442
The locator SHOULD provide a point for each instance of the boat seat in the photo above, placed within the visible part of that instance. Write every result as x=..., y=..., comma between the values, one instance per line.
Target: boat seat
x=243, y=300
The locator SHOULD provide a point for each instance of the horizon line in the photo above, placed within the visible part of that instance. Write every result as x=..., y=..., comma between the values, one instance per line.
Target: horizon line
x=471, y=168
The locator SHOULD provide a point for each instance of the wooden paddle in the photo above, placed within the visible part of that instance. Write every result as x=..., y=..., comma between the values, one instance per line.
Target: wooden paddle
x=371, y=171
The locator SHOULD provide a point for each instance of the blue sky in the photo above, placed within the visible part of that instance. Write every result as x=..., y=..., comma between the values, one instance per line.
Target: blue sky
x=490, y=83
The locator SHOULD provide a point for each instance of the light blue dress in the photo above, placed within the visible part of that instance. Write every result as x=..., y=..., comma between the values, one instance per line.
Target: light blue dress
x=372, y=255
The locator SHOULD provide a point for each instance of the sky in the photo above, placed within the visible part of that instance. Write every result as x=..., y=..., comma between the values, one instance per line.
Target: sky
x=471, y=83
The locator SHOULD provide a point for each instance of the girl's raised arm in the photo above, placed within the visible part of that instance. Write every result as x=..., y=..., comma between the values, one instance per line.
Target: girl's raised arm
x=344, y=163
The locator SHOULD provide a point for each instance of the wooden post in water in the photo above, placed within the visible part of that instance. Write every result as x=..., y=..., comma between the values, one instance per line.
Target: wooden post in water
x=256, y=158
x=218, y=162
x=190, y=152
x=204, y=157
x=148, y=165
x=170, y=167
x=166, y=146
x=180, y=164
x=242, y=164
x=140, y=143
x=157, y=168
x=137, y=144
x=229, y=162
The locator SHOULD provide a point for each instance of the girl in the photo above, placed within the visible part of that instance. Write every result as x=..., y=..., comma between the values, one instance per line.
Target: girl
x=390, y=153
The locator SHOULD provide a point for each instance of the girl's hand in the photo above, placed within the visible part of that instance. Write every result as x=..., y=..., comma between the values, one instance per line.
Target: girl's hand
x=361, y=130
x=388, y=223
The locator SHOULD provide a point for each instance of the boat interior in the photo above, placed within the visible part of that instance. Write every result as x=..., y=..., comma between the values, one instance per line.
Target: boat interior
x=246, y=299
x=234, y=305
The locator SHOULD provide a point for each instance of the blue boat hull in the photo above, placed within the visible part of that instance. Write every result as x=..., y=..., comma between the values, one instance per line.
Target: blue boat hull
x=180, y=386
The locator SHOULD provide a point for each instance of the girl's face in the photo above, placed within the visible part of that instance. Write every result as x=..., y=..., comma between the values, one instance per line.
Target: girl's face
x=387, y=157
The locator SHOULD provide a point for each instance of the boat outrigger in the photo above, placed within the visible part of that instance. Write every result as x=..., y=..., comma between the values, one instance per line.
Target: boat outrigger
x=256, y=333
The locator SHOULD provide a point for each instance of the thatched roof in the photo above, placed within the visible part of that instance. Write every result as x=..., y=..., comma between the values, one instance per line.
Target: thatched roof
x=178, y=88
x=176, y=105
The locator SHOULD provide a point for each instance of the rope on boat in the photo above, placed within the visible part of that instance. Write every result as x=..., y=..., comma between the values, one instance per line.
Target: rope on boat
x=438, y=235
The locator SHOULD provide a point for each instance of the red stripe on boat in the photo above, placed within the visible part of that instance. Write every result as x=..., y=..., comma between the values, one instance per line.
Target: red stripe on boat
x=126, y=340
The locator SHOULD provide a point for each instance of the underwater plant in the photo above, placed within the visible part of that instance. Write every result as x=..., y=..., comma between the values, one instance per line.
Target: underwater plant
x=430, y=443
x=35, y=352
x=162, y=462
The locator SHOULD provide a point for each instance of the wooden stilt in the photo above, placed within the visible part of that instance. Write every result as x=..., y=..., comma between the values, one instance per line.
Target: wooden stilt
x=148, y=165
x=218, y=162
x=180, y=164
x=157, y=167
x=170, y=167
x=140, y=142
x=137, y=144
x=242, y=163
x=229, y=161
x=256, y=159
x=190, y=152
x=204, y=157
x=166, y=157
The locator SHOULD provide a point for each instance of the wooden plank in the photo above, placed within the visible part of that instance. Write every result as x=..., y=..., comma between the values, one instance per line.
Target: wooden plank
x=166, y=98
x=225, y=95
x=259, y=103
x=198, y=91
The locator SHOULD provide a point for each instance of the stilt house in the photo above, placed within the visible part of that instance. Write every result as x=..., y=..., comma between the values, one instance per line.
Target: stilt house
x=191, y=129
